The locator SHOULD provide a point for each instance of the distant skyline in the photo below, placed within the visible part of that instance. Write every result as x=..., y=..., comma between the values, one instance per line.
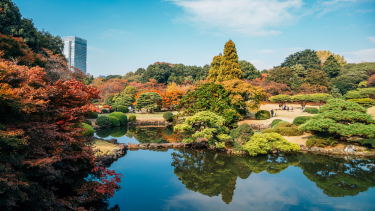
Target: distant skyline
x=123, y=35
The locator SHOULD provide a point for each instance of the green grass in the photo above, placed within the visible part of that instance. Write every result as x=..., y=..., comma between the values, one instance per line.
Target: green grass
x=144, y=115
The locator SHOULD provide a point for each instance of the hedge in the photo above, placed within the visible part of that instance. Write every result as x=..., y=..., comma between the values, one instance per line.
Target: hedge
x=88, y=130
x=275, y=121
x=321, y=141
x=168, y=116
x=262, y=114
x=88, y=122
x=114, y=121
x=285, y=131
x=365, y=102
x=120, y=116
x=311, y=110
x=103, y=122
x=93, y=115
x=301, y=120
x=132, y=118
x=122, y=109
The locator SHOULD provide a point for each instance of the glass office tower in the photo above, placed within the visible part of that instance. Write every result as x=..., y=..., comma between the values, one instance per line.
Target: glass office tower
x=75, y=51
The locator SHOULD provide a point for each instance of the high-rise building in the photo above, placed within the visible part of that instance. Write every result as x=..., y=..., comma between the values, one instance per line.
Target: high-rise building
x=75, y=51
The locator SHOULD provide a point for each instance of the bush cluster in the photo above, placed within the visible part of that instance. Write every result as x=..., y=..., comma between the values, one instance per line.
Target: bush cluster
x=287, y=130
x=321, y=141
x=88, y=130
x=132, y=118
x=168, y=116
x=93, y=115
x=88, y=122
x=301, y=120
x=120, y=117
x=365, y=102
x=275, y=121
x=311, y=110
x=122, y=109
x=243, y=133
x=262, y=114
x=282, y=124
x=114, y=121
x=105, y=111
x=103, y=122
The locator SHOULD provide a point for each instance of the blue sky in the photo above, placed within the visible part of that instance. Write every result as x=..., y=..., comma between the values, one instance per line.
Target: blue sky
x=124, y=35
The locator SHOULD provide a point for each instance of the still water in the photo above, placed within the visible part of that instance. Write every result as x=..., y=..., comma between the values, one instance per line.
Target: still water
x=203, y=180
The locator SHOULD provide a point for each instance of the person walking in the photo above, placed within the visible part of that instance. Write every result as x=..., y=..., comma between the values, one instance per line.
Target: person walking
x=271, y=112
x=287, y=108
x=275, y=112
x=291, y=108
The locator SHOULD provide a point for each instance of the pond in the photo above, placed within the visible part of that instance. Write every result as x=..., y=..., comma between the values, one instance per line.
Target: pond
x=188, y=179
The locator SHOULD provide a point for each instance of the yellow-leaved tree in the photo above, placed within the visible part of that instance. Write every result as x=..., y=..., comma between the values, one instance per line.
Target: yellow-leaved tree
x=244, y=95
x=323, y=56
x=175, y=93
x=215, y=67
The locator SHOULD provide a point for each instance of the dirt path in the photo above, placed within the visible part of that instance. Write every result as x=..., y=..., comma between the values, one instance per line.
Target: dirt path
x=300, y=140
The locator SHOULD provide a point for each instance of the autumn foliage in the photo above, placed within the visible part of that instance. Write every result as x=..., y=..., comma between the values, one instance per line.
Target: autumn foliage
x=44, y=156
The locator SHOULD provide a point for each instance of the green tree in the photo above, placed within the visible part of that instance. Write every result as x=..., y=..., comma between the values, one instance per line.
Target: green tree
x=129, y=90
x=299, y=70
x=331, y=67
x=210, y=97
x=281, y=75
x=128, y=75
x=297, y=82
x=320, y=98
x=281, y=99
x=317, y=77
x=335, y=92
x=113, y=76
x=307, y=58
x=229, y=67
x=88, y=80
x=370, y=92
x=207, y=125
x=148, y=100
x=215, y=68
x=301, y=99
x=349, y=81
x=139, y=71
x=323, y=56
x=340, y=118
x=248, y=70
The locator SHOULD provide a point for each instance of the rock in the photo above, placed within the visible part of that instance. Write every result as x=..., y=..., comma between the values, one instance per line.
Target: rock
x=360, y=149
x=95, y=127
x=178, y=145
x=133, y=146
x=198, y=145
x=323, y=151
x=113, y=141
x=274, y=151
x=360, y=154
x=134, y=149
x=349, y=149
x=154, y=146
x=201, y=139
x=315, y=149
x=144, y=145
x=188, y=145
x=166, y=145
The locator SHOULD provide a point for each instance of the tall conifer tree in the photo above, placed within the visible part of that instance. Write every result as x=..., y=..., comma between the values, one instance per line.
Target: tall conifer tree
x=229, y=67
x=331, y=67
x=215, y=67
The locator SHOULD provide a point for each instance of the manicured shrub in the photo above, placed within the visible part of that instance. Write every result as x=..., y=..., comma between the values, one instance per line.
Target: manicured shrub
x=369, y=141
x=282, y=124
x=243, y=133
x=321, y=141
x=113, y=109
x=311, y=110
x=114, y=121
x=121, y=117
x=88, y=130
x=285, y=131
x=168, y=116
x=262, y=114
x=93, y=115
x=105, y=111
x=132, y=118
x=122, y=109
x=103, y=122
x=275, y=121
x=365, y=102
x=88, y=122
x=301, y=120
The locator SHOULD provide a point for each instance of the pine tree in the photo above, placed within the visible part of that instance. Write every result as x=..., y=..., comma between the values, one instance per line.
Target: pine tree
x=331, y=67
x=215, y=67
x=229, y=67
x=335, y=92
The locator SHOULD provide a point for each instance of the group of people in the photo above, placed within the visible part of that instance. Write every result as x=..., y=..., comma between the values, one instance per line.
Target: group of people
x=274, y=112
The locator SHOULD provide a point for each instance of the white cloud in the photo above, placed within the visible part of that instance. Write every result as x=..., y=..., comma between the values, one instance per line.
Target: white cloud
x=367, y=55
x=260, y=65
x=372, y=39
x=254, y=17
x=266, y=51
x=365, y=11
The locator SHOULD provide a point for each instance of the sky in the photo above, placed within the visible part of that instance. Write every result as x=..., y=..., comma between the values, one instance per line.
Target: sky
x=124, y=35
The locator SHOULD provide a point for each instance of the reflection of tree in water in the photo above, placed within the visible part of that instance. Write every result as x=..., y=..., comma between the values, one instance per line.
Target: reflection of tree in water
x=339, y=177
x=118, y=131
x=149, y=135
x=103, y=133
x=212, y=174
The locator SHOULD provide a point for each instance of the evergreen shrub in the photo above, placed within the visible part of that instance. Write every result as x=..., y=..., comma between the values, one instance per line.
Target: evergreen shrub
x=103, y=122
x=243, y=132
x=311, y=110
x=168, y=116
x=88, y=130
x=122, y=109
x=120, y=116
x=114, y=121
x=132, y=118
x=321, y=141
x=275, y=121
x=285, y=131
x=93, y=115
x=262, y=114
x=88, y=122
x=105, y=111
x=301, y=120
x=365, y=102
x=282, y=124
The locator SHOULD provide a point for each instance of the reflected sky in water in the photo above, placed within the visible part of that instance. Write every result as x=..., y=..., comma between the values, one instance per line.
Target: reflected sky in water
x=202, y=180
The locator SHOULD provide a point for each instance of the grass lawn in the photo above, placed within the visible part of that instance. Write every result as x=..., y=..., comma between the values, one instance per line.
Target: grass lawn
x=103, y=146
